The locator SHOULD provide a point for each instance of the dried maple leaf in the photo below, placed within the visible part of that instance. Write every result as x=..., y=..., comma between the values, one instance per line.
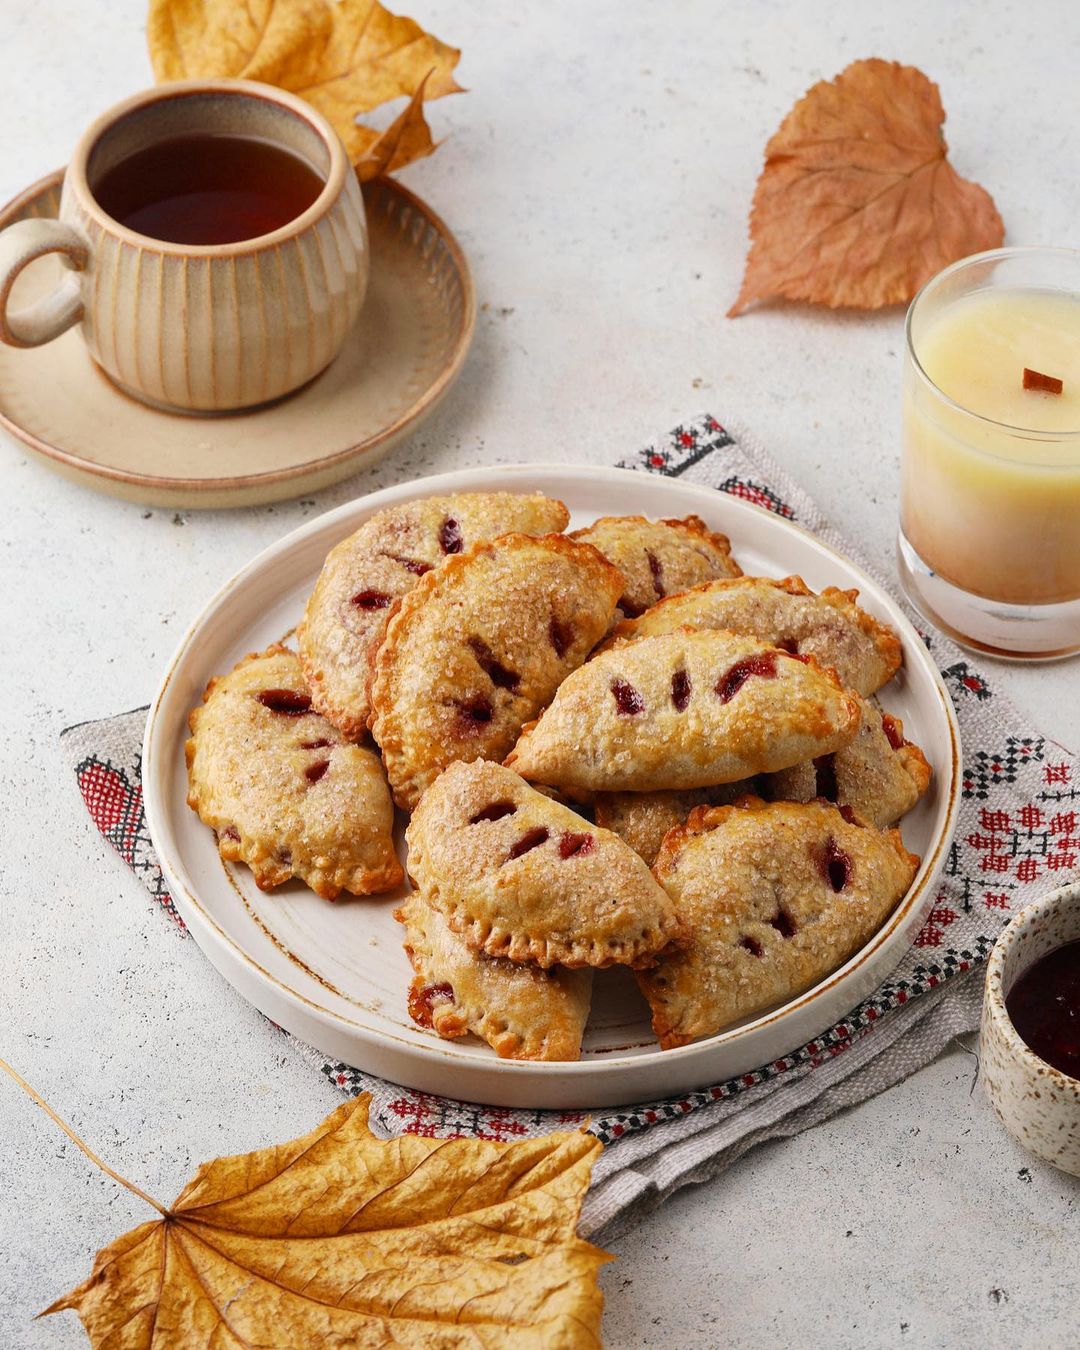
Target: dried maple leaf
x=338, y=1238
x=407, y=138
x=344, y=56
x=857, y=204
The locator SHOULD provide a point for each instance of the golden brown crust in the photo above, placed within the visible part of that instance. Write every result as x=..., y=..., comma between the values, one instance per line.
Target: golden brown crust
x=522, y=1012
x=879, y=775
x=831, y=626
x=879, y=781
x=777, y=896
x=478, y=647
x=523, y=877
x=684, y=710
x=346, y=615
x=282, y=789
x=642, y=819
x=659, y=557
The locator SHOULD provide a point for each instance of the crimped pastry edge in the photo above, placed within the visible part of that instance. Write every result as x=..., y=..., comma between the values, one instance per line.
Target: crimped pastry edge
x=353, y=724
x=267, y=870
x=451, y=1020
x=408, y=792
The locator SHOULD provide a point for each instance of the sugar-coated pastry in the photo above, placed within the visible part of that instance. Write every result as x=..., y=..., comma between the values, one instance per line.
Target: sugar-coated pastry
x=659, y=557
x=522, y=1012
x=283, y=789
x=864, y=652
x=777, y=895
x=524, y=877
x=642, y=819
x=682, y=710
x=880, y=774
x=362, y=576
x=478, y=647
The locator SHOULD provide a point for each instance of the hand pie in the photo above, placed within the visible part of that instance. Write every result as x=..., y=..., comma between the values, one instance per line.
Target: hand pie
x=641, y=819
x=880, y=775
x=478, y=647
x=521, y=876
x=346, y=615
x=522, y=1012
x=830, y=626
x=659, y=557
x=685, y=710
x=777, y=896
x=284, y=791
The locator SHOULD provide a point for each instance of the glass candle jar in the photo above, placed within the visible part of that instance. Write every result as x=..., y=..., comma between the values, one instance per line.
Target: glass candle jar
x=989, y=546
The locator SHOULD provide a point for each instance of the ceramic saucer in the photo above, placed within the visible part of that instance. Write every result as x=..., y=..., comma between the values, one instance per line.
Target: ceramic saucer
x=403, y=355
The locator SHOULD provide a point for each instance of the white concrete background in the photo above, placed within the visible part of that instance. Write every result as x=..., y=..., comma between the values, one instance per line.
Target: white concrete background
x=599, y=176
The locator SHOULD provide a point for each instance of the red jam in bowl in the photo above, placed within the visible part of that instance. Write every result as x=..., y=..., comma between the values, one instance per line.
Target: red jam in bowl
x=1044, y=1005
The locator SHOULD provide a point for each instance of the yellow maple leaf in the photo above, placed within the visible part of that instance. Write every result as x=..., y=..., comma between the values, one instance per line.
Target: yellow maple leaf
x=344, y=56
x=339, y=1238
x=407, y=138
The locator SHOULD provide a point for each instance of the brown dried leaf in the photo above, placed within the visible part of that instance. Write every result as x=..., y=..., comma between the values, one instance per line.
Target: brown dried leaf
x=857, y=204
x=407, y=138
x=344, y=56
x=338, y=1238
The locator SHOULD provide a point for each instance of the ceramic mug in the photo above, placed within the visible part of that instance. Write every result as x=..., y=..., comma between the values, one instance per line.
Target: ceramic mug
x=199, y=328
x=1036, y=1103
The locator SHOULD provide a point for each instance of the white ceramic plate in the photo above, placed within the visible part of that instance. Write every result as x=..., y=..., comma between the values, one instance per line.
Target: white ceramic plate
x=336, y=975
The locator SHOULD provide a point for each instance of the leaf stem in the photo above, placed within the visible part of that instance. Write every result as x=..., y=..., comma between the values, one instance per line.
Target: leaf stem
x=136, y=1190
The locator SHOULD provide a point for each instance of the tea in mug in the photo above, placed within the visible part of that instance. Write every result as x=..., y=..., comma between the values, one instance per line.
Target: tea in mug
x=208, y=189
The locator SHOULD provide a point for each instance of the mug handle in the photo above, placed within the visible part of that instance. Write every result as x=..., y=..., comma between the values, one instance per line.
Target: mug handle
x=54, y=314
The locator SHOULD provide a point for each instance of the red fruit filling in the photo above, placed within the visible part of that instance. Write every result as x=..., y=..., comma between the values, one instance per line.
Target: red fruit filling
x=285, y=701
x=315, y=771
x=825, y=778
x=891, y=727
x=496, y=811
x=570, y=845
x=422, y=1001
x=561, y=635
x=475, y=712
x=680, y=690
x=783, y=923
x=835, y=865
x=762, y=664
x=450, y=540
x=372, y=600
x=499, y=675
x=529, y=840
x=410, y=564
x=627, y=699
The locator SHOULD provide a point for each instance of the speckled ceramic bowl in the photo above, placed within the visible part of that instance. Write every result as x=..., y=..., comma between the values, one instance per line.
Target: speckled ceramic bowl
x=1037, y=1103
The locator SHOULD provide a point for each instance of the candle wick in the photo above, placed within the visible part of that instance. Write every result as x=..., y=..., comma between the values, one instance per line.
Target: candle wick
x=1046, y=384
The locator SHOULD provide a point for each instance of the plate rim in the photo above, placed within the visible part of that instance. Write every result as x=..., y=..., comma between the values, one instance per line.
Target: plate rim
x=361, y=450
x=612, y=1064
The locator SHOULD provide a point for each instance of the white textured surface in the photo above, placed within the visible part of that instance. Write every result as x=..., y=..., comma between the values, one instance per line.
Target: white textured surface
x=599, y=176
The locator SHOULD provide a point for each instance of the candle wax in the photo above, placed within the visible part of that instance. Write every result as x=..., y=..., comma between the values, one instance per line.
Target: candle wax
x=976, y=350
x=993, y=506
